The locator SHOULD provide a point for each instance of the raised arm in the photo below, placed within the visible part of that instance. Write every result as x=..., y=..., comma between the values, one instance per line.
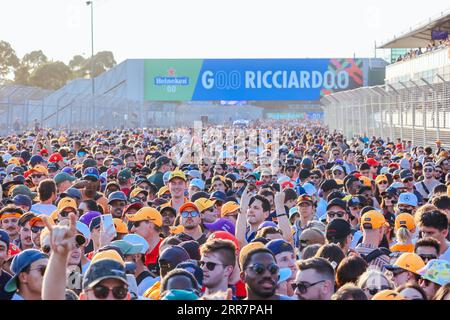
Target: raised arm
x=62, y=241
x=283, y=220
x=241, y=223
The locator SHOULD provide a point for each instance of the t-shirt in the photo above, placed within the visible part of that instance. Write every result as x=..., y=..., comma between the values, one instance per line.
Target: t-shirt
x=4, y=278
x=379, y=262
x=430, y=186
x=40, y=208
x=446, y=255
x=151, y=259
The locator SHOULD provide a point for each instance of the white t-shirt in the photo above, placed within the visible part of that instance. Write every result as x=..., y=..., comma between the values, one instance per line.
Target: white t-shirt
x=40, y=208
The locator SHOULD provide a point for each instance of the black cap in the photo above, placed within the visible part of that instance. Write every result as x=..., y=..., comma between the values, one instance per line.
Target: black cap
x=338, y=229
x=330, y=184
x=162, y=160
x=337, y=202
x=193, y=249
x=405, y=173
x=174, y=255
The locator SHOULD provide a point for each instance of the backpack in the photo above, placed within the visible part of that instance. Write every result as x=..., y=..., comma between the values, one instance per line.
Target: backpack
x=375, y=254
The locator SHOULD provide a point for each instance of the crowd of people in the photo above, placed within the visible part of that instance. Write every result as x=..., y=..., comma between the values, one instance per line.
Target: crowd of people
x=279, y=210
x=432, y=46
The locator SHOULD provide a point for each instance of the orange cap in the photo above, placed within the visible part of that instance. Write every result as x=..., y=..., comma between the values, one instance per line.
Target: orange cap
x=121, y=227
x=388, y=295
x=228, y=207
x=410, y=261
x=189, y=205
x=247, y=249
x=146, y=213
x=365, y=181
x=381, y=178
x=405, y=220
x=373, y=219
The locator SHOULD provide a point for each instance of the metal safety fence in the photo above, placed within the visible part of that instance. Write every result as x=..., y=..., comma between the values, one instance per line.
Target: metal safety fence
x=415, y=110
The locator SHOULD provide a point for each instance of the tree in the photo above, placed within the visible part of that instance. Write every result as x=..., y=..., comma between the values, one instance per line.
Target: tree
x=51, y=75
x=100, y=63
x=77, y=64
x=30, y=62
x=8, y=59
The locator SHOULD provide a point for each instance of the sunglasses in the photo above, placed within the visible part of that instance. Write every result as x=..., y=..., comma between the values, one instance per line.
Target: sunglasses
x=65, y=214
x=102, y=292
x=338, y=214
x=41, y=269
x=408, y=180
x=383, y=182
x=303, y=287
x=438, y=171
x=259, y=268
x=427, y=257
x=35, y=229
x=186, y=214
x=209, y=265
x=428, y=170
x=374, y=291
x=36, y=176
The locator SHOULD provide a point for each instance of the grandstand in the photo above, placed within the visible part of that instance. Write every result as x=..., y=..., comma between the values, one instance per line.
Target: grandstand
x=414, y=101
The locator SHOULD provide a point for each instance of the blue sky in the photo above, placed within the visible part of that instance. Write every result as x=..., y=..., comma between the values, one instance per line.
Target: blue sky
x=210, y=28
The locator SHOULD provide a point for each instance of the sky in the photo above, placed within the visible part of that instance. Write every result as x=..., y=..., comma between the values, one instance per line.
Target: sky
x=210, y=28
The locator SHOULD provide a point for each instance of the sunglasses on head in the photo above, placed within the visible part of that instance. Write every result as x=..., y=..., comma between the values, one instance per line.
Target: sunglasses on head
x=186, y=214
x=259, y=268
x=102, y=292
x=209, y=265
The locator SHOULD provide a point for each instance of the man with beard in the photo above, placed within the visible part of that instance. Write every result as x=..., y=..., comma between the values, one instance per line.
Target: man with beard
x=260, y=274
x=9, y=218
x=218, y=259
x=314, y=280
x=91, y=183
x=117, y=202
x=168, y=214
x=25, y=231
x=190, y=220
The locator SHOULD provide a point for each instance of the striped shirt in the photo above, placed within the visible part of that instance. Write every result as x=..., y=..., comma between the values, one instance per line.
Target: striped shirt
x=379, y=262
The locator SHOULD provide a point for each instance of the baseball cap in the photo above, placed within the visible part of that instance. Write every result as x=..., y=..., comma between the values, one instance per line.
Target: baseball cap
x=372, y=162
x=196, y=174
x=203, y=204
x=127, y=247
x=72, y=193
x=218, y=195
x=19, y=263
x=174, y=255
x=188, y=205
x=124, y=175
x=245, y=250
x=105, y=265
x=225, y=236
x=162, y=160
x=388, y=295
x=192, y=247
x=22, y=189
x=88, y=163
x=67, y=203
x=63, y=176
x=330, y=184
x=278, y=246
x=228, y=207
x=68, y=170
x=407, y=198
x=194, y=269
x=312, y=236
x=4, y=237
x=405, y=174
x=337, y=202
x=221, y=224
x=146, y=213
x=35, y=159
x=199, y=183
x=117, y=195
x=381, y=178
x=81, y=228
x=121, y=227
x=55, y=157
x=177, y=174
x=437, y=271
x=338, y=229
x=27, y=217
x=408, y=261
x=304, y=198
x=373, y=219
x=267, y=224
x=91, y=172
x=404, y=220
x=293, y=211
x=137, y=240
x=88, y=217
x=22, y=200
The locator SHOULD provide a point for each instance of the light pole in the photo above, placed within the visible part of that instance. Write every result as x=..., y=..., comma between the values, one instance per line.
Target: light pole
x=91, y=3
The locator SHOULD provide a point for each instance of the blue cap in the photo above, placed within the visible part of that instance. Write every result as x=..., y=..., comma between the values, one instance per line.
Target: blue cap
x=267, y=224
x=166, y=177
x=20, y=262
x=22, y=200
x=193, y=268
x=95, y=222
x=293, y=211
x=278, y=246
x=117, y=195
x=91, y=172
x=34, y=160
x=84, y=230
x=218, y=195
x=199, y=183
x=137, y=240
x=68, y=170
x=4, y=237
x=72, y=193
